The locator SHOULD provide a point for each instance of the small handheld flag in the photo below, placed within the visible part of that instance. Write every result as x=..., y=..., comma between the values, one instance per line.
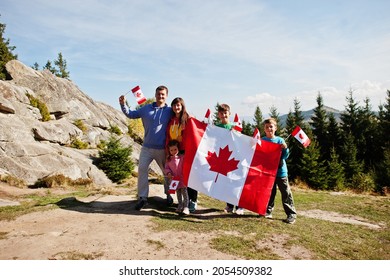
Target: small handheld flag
x=301, y=136
x=237, y=123
x=173, y=185
x=207, y=116
x=256, y=135
x=138, y=95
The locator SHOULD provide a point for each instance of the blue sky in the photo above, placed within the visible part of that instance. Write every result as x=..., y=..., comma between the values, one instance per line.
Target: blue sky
x=243, y=53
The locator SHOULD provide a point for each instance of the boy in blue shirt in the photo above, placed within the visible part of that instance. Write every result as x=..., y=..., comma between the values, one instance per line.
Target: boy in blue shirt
x=281, y=180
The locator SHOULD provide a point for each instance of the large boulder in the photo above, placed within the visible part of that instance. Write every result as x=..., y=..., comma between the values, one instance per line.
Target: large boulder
x=31, y=149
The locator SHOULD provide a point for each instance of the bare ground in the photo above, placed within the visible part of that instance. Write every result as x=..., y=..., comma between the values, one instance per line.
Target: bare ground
x=108, y=228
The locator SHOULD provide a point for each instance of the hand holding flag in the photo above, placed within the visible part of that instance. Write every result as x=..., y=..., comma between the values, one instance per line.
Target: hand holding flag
x=173, y=185
x=301, y=136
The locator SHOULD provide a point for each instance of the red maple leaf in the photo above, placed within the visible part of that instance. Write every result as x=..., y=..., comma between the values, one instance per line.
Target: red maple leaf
x=221, y=163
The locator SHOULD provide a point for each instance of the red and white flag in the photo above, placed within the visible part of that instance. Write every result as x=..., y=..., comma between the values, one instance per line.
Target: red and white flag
x=301, y=136
x=230, y=166
x=139, y=96
x=256, y=135
x=207, y=118
x=237, y=123
x=174, y=184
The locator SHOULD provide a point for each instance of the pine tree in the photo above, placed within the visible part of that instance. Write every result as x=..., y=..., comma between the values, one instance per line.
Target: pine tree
x=275, y=115
x=296, y=150
x=351, y=164
x=247, y=128
x=312, y=168
x=115, y=160
x=35, y=66
x=215, y=118
x=5, y=52
x=258, y=120
x=50, y=67
x=319, y=124
x=334, y=134
x=382, y=167
x=335, y=172
x=367, y=144
x=61, y=64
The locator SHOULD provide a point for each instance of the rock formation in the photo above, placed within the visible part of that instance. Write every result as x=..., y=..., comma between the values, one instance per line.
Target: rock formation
x=31, y=149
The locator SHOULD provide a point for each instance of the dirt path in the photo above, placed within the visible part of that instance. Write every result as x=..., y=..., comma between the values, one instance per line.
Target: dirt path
x=108, y=228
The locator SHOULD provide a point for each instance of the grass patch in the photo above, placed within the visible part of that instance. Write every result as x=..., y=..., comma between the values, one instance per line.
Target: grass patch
x=75, y=255
x=156, y=243
x=324, y=240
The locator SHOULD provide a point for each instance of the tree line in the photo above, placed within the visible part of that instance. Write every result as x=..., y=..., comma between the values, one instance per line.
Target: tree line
x=351, y=154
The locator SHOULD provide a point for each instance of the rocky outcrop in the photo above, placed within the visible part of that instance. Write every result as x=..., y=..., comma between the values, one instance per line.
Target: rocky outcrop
x=31, y=149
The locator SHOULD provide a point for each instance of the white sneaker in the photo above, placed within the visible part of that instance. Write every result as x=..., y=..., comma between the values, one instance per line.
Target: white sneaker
x=240, y=211
x=186, y=211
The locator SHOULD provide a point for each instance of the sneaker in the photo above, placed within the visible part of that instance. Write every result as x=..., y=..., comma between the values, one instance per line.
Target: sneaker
x=290, y=220
x=179, y=209
x=228, y=209
x=169, y=200
x=240, y=211
x=268, y=216
x=140, y=204
x=192, y=206
x=186, y=211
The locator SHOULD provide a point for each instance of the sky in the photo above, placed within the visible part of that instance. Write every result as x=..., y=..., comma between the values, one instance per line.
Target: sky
x=244, y=53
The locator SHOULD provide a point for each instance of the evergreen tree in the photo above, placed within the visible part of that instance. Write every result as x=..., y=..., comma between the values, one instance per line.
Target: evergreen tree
x=296, y=149
x=5, y=52
x=258, y=120
x=115, y=160
x=61, y=64
x=35, y=66
x=382, y=166
x=335, y=172
x=247, y=128
x=50, y=67
x=319, y=124
x=349, y=117
x=312, y=168
x=334, y=134
x=275, y=115
x=351, y=164
x=215, y=118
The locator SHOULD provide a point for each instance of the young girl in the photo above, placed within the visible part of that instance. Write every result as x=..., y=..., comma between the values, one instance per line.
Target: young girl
x=174, y=168
x=176, y=131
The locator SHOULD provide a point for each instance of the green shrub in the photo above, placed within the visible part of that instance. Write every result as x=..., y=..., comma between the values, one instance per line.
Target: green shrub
x=35, y=102
x=115, y=130
x=115, y=160
x=78, y=144
x=362, y=182
x=80, y=125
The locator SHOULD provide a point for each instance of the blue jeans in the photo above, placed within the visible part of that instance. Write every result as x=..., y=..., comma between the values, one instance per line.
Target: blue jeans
x=146, y=157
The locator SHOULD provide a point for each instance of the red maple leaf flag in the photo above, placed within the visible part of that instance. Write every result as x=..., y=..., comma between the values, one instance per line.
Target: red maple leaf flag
x=173, y=185
x=301, y=136
x=207, y=116
x=221, y=163
x=229, y=166
x=257, y=136
x=139, y=96
x=237, y=123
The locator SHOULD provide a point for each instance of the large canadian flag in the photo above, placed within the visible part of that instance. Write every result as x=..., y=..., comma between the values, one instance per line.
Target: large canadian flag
x=230, y=166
